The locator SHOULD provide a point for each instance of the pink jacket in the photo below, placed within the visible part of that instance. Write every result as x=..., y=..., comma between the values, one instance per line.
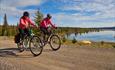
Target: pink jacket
x=25, y=22
x=45, y=22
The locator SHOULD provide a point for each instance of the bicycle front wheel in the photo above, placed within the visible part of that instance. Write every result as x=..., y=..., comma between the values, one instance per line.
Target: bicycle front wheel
x=35, y=46
x=55, y=42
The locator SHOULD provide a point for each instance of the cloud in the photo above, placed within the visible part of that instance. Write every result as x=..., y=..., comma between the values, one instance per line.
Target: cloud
x=62, y=19
x=93, y=13
x=86, y=12
x=101, y=6
x=20, y=3
x=11, y=7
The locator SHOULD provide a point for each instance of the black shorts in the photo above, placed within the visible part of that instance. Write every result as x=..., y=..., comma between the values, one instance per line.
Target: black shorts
x=45, y=31
x=23, y=32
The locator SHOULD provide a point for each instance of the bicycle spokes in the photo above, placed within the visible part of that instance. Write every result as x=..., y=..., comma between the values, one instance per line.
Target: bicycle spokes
x=55, y=42
x=36, y=46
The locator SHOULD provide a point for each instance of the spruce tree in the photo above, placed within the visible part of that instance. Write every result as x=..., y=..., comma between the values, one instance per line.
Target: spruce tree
x=38, y=17
x=5, y=27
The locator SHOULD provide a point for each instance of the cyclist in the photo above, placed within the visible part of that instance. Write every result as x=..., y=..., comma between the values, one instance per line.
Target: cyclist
x=24, y=25
x=45, y=23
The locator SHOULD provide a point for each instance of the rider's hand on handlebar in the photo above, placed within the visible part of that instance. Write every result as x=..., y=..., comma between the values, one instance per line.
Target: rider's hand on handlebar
x=55, y=27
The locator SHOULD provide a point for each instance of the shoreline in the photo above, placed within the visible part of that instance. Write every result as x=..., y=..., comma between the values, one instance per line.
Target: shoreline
x=86, y=43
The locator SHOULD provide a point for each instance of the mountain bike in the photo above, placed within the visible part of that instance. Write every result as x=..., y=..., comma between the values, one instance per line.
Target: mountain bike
x=53, y=39
x=32, y=42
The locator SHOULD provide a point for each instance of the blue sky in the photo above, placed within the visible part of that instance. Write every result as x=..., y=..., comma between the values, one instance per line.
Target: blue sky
x=67, y=13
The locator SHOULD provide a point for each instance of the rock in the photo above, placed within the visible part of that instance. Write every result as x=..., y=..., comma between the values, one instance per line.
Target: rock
x=86, y=42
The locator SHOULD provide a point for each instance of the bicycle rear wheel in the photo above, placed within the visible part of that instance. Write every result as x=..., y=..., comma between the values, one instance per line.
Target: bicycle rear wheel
x=35, y=46
x=26, y=41
x=23, y=43
x=55, y=42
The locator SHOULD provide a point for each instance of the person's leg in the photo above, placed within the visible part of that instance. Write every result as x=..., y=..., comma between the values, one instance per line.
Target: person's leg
x=21, y=33
x=27, y=31
x=44, y=30
x=48, y=32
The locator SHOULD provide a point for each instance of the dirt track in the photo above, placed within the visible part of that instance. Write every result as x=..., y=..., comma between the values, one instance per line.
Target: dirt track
x=66, y=58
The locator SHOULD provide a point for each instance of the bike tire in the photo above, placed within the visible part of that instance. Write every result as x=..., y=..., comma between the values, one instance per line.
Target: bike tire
x=35, y=46
x=55, y=45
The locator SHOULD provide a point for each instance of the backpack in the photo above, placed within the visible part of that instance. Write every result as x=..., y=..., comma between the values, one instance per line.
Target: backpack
x=17, y=38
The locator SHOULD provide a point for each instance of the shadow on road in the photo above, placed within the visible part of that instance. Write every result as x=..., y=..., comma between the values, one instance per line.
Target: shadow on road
x=13, y=52
x=8, y=52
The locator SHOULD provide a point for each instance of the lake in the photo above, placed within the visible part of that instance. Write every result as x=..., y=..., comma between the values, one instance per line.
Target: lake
x=107, y=36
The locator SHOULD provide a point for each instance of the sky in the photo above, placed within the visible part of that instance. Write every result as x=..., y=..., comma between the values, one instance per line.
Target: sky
x=65, y=13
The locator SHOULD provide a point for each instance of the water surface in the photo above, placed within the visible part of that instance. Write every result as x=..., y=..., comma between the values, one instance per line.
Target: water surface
x=108, y=36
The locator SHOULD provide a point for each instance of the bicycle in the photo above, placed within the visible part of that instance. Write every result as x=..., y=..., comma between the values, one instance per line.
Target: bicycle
x=32, y=42
x=53, y=40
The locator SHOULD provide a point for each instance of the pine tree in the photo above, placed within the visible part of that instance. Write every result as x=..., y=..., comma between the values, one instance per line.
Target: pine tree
x=5, y=27
x=38, y=17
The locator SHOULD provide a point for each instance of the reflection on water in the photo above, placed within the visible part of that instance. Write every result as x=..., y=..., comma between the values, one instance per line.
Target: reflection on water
x=108, y=36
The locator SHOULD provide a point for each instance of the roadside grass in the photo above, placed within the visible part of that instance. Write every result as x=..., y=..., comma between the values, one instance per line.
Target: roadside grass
x=75, y=42
x=93, y=44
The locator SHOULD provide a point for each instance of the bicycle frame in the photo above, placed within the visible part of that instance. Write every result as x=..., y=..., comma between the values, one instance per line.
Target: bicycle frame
x=46, y=40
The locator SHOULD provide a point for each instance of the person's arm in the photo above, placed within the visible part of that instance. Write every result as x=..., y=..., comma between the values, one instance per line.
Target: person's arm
x=51, y=24
x=31, y=23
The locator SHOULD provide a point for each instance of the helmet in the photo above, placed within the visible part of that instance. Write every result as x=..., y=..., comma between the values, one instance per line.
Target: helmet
x=26, y=14
x=49, y=16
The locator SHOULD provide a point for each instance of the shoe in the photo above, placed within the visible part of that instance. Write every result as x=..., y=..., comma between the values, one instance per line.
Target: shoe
x=20, y=47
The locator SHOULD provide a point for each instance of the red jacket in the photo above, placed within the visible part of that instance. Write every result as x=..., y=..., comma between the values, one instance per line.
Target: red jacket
x=25, y=22
x=45, y=22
